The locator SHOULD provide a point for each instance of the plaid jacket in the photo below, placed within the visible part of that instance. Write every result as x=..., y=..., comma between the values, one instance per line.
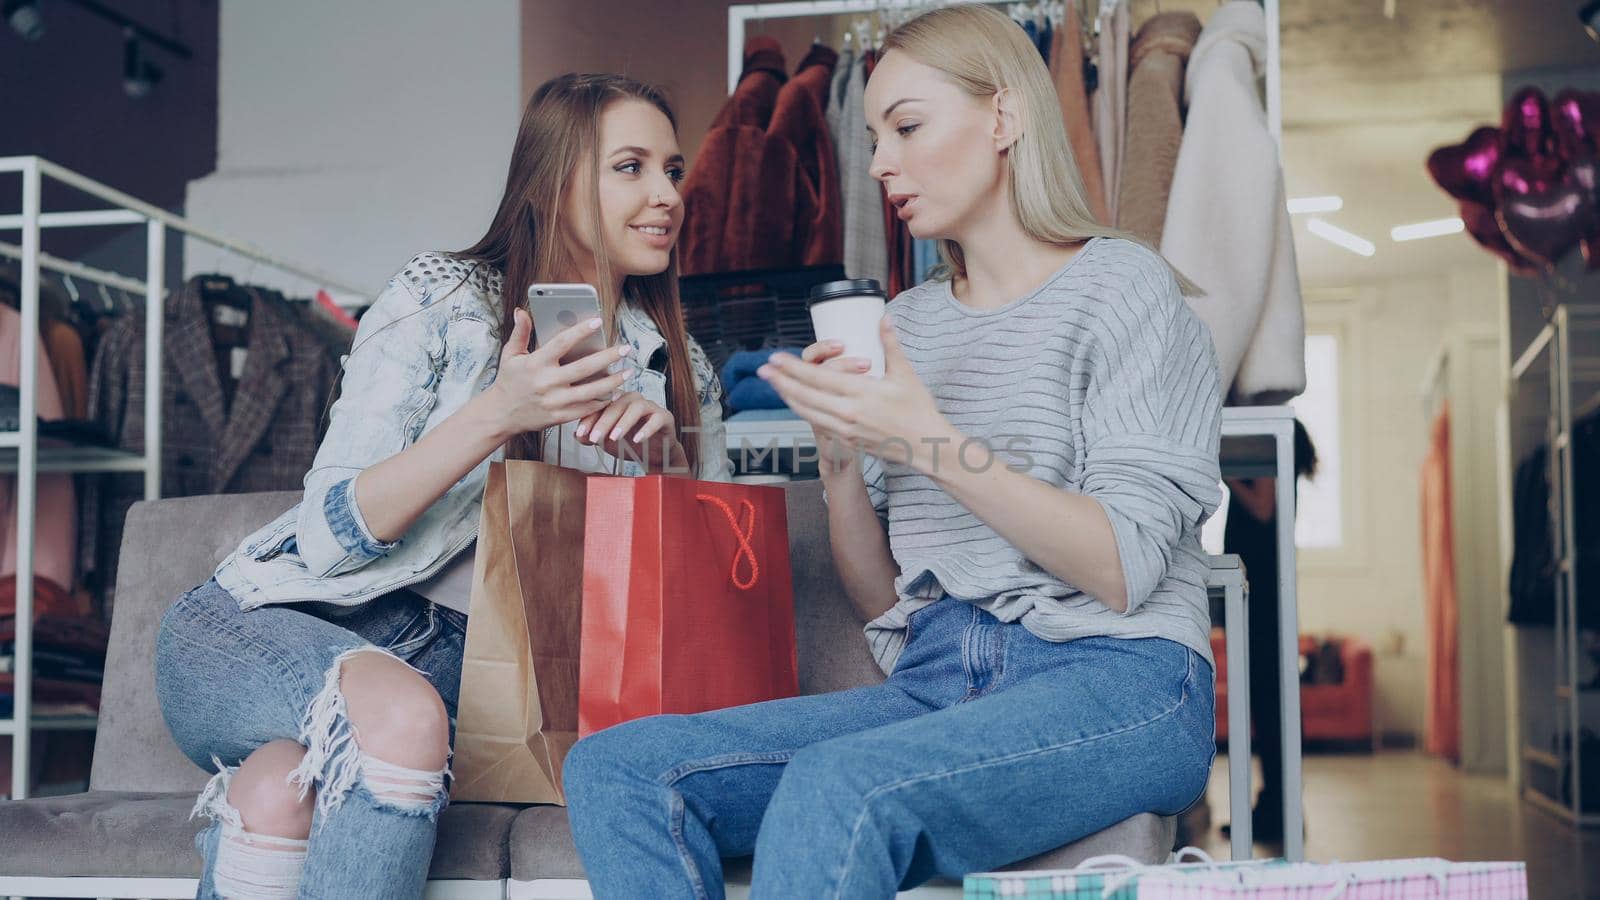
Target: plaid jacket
x=264, y=442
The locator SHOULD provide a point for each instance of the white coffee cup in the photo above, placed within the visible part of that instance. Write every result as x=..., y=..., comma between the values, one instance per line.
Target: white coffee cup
x=849, y=312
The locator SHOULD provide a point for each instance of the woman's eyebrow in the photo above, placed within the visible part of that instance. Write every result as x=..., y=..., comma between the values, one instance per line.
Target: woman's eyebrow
x=640, y=151
x=896, y=105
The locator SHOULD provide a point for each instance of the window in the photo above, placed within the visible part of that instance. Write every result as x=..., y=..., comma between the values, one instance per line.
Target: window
x=1320, y=522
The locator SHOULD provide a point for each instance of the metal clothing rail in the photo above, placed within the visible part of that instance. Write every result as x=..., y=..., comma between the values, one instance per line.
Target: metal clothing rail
x=1552, y=761
x=20, y=450
x=77, y=270
x=741, y=13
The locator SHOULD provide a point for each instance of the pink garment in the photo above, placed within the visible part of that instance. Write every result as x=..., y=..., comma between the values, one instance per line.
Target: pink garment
x=56, y=509
x=1442, y=724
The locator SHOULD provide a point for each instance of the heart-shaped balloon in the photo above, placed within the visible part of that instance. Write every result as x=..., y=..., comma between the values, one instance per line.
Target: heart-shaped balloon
x=1585, y=173
x=1485, y=229
x=1466, y=170
x=1526, y=123
x=1543, y=218
x=1575, y=118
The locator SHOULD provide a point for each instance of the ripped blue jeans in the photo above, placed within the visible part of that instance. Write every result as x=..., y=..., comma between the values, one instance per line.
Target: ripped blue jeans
x=230, y=681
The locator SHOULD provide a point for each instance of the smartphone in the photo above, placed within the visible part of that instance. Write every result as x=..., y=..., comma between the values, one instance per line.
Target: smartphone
x=557, y=307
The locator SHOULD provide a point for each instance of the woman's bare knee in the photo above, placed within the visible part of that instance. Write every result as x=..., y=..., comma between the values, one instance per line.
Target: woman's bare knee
x=397, y=715
x=267, y=803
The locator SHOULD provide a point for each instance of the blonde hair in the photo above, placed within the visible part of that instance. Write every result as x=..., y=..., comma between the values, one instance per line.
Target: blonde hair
x=984, y=53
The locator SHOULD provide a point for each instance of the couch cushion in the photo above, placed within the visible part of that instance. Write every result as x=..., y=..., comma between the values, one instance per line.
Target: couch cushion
x=168, y=547
x=542, y=847
x=135, y=835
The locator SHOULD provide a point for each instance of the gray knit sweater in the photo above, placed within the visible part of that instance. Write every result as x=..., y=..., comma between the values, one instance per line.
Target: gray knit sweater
x=1101, y=382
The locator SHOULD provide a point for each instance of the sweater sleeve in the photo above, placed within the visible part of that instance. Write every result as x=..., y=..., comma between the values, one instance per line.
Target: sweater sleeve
x=1151, y=424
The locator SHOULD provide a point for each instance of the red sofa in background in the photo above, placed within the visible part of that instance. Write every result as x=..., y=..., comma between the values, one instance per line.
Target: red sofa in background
x=1328, y=712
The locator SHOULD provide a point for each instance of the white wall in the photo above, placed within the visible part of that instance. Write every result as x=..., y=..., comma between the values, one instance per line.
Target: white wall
x=1372, y=587
x=352, y=135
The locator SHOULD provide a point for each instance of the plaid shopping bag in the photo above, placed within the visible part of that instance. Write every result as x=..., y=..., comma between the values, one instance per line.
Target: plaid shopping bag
x=1397, y=879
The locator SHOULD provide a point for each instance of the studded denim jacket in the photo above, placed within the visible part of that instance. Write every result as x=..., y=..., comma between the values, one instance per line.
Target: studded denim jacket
x=427, y=345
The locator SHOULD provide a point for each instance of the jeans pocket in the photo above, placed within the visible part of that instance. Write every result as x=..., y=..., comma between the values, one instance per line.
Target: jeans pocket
x=422, y=629
x=914, y=621
x=400, y=622
x=440, y=658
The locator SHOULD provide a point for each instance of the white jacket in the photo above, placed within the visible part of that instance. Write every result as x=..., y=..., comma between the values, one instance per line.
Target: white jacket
x=1227, y=224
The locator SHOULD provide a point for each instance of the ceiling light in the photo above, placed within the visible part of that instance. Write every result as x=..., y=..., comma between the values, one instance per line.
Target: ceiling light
x=1335, y=235
x=24, y=18
x=1299, y=205
x=1434, y=228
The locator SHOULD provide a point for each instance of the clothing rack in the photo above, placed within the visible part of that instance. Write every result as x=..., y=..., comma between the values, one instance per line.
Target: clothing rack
x=20, y=451
x=1563, y=355
x=742, y=13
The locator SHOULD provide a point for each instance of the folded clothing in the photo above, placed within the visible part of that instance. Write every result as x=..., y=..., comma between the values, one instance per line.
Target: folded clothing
x=49, y=599
x=73, y=431
x=59, y=665
x=747, y=390
x=50, y=690
x=84, y=638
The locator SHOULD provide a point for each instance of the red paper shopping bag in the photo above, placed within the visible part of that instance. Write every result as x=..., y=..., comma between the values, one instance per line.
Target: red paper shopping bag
x=688, y=602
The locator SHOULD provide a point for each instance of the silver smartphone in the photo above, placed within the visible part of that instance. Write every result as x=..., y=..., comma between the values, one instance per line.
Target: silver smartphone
x=557, y=307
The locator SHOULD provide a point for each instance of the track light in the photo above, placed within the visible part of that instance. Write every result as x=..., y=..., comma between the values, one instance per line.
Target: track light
x=139, y=75
x=1589, y=15
x=24, y=18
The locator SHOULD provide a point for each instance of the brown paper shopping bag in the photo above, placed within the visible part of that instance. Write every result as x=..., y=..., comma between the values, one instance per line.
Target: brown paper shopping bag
x=518, y=713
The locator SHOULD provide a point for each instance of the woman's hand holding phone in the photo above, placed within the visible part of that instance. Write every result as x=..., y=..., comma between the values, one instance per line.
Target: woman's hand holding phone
x=534, y=390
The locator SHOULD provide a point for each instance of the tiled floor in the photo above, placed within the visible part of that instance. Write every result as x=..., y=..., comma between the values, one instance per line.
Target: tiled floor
x=1404, y=804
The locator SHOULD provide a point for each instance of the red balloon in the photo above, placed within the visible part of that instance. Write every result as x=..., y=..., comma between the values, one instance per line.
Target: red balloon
x=1575, y=119
x=1483, y=227
x=1542, y=217
x=1466, y=170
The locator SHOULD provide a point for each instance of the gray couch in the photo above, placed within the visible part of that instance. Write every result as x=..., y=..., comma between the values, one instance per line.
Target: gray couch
x=130, y=835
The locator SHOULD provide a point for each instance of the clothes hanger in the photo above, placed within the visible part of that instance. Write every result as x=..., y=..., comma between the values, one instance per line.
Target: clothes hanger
x=221, y=290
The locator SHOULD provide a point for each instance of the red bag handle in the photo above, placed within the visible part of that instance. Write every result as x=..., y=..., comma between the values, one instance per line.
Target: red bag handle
x=743, y=535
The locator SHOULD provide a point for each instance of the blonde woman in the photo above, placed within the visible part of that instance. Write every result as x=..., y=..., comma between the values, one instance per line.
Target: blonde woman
x=1022, y=536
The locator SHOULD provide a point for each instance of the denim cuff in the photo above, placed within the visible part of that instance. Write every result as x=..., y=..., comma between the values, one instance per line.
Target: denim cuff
x=333, y=537
x=347, y=525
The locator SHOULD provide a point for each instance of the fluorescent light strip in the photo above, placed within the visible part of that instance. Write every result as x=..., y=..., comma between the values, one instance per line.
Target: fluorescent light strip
x=1300, y=205
x=1433, y=228
x=1333, y=234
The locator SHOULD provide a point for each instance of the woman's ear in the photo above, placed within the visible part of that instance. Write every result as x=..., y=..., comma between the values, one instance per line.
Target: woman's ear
x=1007, y=119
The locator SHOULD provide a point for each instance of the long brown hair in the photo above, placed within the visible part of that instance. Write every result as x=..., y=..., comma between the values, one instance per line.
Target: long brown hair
x=560, y=131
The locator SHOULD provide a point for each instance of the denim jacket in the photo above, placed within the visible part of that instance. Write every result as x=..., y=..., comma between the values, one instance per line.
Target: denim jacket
x=427, y=345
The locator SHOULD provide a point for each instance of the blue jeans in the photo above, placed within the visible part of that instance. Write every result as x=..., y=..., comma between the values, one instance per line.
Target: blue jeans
x=986, y=746
x=230, y=681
